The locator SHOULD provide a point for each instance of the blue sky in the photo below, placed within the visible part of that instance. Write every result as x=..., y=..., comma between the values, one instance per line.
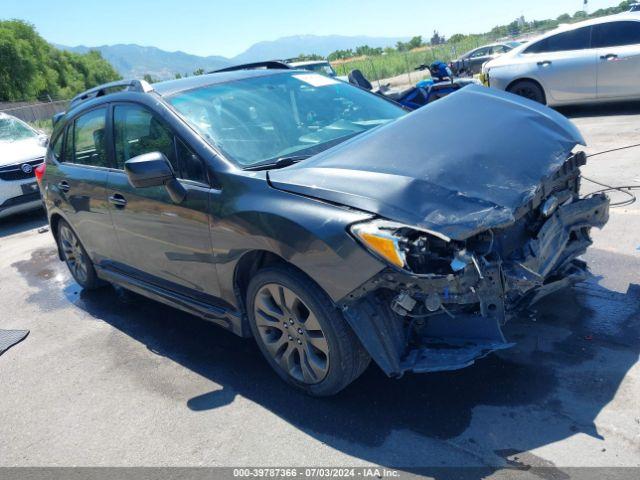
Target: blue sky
x=208, y=27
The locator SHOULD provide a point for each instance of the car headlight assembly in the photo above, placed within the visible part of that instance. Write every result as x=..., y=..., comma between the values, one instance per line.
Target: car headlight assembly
x=411, y=249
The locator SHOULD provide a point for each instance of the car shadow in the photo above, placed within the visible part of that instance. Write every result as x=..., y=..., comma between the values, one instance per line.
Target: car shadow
x=600, y=110
x=22, y=222
x=536, y=394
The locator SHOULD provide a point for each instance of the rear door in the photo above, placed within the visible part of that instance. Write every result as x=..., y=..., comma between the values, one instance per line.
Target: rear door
x=565, y=64
x=79, y=182
x=618, y=52
x=163, y=243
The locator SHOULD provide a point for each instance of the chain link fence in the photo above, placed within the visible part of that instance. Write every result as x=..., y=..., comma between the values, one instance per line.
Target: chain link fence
x=401, y=66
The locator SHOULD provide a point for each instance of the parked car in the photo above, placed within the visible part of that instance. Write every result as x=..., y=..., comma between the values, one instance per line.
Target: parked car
x=593, y=61
x=321, y=219
x=318, y=66
x=22, y=149
x=471, y=62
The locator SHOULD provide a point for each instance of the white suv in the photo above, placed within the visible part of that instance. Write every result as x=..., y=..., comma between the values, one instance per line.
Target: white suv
x=593, y=61
x=22, y=149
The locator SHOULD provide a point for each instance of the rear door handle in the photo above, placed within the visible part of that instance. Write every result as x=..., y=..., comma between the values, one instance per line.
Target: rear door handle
x=118, y=200
x=609, y=56
x=64, y=186
x=545, y=63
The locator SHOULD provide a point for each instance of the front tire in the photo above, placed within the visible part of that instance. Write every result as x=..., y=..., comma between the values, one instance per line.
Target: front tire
x=530, y=90
x=301, y=333
x=76, y=258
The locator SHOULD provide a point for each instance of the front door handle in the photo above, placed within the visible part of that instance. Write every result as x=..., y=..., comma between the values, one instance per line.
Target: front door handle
x=609, y=56
x=118, y=200
x=64, y=186
x=544, y=63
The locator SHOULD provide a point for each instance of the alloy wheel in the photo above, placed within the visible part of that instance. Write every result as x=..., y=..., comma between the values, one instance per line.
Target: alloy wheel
x=73, y=254
x=291, y=333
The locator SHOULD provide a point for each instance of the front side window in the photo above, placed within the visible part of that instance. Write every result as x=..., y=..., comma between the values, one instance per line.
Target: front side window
x=137, y=131
x=578, y=39
x=87, y=143
x=258, y=120
x=616, y=34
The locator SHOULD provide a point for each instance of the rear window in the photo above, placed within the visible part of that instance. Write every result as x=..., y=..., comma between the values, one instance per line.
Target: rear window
x=578, y=39
x=616, y=34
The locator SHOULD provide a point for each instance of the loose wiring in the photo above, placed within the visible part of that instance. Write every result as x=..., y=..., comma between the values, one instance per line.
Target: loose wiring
x=624, y=189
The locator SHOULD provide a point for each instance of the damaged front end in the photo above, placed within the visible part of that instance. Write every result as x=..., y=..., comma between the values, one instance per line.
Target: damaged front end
x=442, y=302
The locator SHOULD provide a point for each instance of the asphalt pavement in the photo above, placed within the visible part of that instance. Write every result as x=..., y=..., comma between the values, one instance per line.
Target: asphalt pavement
x=106, y=379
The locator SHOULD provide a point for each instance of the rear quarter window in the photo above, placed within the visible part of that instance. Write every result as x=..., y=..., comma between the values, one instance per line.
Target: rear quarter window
x=85, y=140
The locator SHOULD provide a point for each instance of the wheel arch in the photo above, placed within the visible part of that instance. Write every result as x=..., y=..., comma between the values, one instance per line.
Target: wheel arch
x=528, y=79
x=247, y=266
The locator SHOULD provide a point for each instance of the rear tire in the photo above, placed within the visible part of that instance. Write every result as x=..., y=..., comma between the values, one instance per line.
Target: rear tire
x=76, y=258
x=530, y=90
x=301, y=333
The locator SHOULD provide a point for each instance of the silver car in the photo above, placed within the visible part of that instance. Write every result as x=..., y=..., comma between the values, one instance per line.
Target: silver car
x=593, y=61
x=22, y=150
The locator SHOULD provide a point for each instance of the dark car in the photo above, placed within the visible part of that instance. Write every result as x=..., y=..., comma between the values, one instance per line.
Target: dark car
x=320, y=219
x=471, y=62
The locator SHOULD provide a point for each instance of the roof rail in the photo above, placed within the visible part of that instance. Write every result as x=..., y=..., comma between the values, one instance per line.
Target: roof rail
x=268, y=65
x=101, y=90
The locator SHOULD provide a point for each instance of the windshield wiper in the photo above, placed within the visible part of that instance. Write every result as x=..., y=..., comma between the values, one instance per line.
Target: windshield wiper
x=279, y=163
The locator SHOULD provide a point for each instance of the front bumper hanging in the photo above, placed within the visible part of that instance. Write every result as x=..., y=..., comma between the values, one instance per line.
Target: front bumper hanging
x=468, y=308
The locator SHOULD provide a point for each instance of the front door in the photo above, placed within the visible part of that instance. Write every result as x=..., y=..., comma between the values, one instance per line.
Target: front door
x=164, y=243
x=618, y=53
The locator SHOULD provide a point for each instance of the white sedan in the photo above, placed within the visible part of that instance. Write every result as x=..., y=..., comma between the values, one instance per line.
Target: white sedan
x=593, y=61
x=22, y=149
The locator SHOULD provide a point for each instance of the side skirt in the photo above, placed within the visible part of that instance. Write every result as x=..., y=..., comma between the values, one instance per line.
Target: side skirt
x=226, y=318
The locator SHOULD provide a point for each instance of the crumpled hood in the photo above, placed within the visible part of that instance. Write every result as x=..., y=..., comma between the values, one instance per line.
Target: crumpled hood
x=459, y=166
x=20, y=151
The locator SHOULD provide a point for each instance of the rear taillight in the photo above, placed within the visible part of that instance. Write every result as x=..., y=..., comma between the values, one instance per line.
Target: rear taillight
x=39, y=172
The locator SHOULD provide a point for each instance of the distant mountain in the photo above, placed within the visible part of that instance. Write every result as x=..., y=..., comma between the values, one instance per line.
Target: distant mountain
x=134, y=61
x=288, y=47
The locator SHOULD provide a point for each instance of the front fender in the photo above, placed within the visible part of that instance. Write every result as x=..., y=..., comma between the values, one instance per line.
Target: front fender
x=311, y=235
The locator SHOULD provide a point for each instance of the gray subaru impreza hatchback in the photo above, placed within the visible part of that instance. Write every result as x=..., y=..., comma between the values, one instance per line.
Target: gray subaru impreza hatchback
x=322, y=220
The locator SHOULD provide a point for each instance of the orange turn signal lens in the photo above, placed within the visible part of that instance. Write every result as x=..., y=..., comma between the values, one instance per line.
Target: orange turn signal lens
x=383, y=246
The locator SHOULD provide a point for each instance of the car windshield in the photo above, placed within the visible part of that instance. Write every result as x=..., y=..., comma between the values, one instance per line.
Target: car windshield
x=257, y=121
x=12, y=130
x=324, y=68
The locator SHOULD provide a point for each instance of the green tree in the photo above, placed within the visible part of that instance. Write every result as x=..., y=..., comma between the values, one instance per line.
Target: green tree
x=416, y=42
x=457, y=38
x=32, y=69
x=436, y=39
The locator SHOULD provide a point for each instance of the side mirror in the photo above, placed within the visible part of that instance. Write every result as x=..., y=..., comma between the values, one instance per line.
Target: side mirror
x=154, y=170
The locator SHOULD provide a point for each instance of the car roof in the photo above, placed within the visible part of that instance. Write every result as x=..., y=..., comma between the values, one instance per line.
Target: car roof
x=567, y=27
x=594, y=21
x=171, y=87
